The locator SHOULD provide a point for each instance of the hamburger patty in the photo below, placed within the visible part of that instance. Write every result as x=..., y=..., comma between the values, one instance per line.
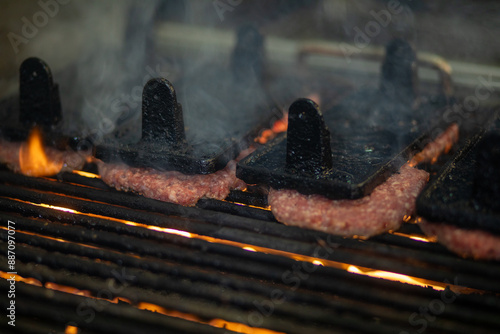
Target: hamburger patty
x=477, y=244
x=383, y=210
x=173, y=186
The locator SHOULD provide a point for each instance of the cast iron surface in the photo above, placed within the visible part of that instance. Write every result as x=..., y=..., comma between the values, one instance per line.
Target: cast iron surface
x=466, y=193
x=364, y=152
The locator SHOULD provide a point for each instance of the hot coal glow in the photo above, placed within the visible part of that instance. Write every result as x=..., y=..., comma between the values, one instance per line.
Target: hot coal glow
x=33, y=160
x=280, y=125
x=393, y=277
x=297, y=257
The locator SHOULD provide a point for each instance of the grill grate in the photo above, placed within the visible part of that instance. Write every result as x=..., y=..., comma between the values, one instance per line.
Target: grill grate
x=221, y=267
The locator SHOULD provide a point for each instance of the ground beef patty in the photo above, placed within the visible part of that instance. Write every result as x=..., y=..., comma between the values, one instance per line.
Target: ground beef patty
x=173, y=186
x=477, y=244
x=381, y=211
x=442, y=144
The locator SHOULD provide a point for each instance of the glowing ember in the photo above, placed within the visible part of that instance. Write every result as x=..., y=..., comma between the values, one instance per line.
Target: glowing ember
x=33, y=160
x=240, y=328
x=67, y=289
x=298, y=257
x=423, y=239
x=392, y=277
x=281, y=125
x=59, y=208
x=267, y=208
x=219, y=323
x=414, y=237
x=71, y=330
x=159, y=229
x=87, y=174
x=164, y=311
x=18, y=278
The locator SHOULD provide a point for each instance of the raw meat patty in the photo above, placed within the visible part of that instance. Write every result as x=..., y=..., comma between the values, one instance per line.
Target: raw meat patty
x=442, y=144
x=383, y=210
x=173, y=186
x=467, y=243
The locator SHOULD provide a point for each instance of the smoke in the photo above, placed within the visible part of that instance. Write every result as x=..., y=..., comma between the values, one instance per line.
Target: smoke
x=103, y=52
x=103, y=87
x=104, y=91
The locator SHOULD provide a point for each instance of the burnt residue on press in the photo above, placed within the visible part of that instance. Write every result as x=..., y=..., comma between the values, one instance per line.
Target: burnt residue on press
x=203, y=124
x=348, y=150
x=467, y=191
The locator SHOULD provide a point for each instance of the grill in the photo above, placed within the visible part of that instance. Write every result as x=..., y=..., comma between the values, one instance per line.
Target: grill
x=90, y=259
x=104, y=261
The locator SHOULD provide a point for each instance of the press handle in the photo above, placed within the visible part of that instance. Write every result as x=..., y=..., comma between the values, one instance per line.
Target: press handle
x=39, y=102
x=162, y=118
x=308, y=148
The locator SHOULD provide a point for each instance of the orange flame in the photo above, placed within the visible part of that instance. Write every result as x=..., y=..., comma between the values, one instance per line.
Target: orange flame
x=281, y=125
x=33, y=160
x=71, y=330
